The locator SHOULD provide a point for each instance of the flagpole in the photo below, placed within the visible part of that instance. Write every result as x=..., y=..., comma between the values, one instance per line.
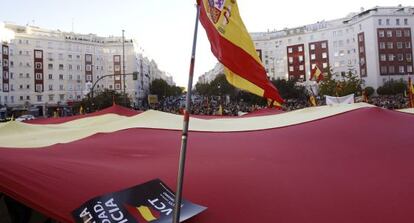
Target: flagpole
x=184, y=135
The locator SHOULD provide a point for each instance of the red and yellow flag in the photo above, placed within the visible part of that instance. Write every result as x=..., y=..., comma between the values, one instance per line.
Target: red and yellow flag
x=316, y=74
x=234, y=48
x=410, y=93
x=312, y=101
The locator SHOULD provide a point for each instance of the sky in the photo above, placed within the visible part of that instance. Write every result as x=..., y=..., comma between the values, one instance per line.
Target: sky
x=164, y=28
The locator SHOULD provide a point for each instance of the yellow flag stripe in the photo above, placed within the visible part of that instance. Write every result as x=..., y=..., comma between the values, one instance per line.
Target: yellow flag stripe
x=146, y=213
x=242, y=83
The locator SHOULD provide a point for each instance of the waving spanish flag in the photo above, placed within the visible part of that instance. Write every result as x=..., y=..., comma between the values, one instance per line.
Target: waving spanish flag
x=316, y=74
x=233, y=47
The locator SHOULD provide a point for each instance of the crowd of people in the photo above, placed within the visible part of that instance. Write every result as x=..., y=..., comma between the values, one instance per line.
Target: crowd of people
x=390, y=101
x=222, y=106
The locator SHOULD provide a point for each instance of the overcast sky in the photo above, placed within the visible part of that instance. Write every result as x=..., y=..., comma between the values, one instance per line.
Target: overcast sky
x=164, y=28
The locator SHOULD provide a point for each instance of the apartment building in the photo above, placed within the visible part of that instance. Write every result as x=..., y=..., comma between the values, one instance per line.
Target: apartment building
x=48, y=68
x=376, y=44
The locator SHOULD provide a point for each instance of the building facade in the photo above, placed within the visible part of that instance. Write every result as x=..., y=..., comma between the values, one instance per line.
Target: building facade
x=47, y=68
x=375, y=44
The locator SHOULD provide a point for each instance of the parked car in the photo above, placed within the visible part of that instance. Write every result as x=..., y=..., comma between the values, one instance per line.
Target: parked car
x=24, y=118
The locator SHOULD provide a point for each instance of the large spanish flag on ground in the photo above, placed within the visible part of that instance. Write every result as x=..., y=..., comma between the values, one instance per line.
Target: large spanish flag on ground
x=233, y=47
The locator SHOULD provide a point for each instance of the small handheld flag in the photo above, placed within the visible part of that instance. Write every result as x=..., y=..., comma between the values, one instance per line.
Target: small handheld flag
x=316, y=74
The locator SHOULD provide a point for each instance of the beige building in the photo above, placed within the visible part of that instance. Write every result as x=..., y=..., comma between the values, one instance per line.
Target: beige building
x=49, y=68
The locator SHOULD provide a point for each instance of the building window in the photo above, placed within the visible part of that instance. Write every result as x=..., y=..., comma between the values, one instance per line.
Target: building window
x=361, y=49
x=70, y=56
x=380, y=34
x=382, y=45
x=300, y=58
x=290, y=60
x=50, y=76
x=300, y=67
x=60, y=66
x=78, y=67
x=390, y=45
x=409, y=69
x=88, y=58
x=325, y=65
x=408, y=57
x=38, y=65
x=88, y=67
x=5, y=75
x=70, y=66
x=290, y=50
x=363, y=72
x=290, y=68
x=407, y=45
x=61, y=97
x=391, y=69
x=5, y=87
x=117, y=86
x=27, y=75
x=362, y=61
x=399, y=45
x=39, y=88
x=38, y=54
x=383, y=70
x=406, y=33
x=389, y=33
x=383, y=57
x=379, y=22
x=398, y=33
x=300, y=49
x=60, y=76
x=28, y=86
x=89, y=77
x=39, y=97
x=5, y=51
x=38, y=76
x=390, y=57
x=312, y=46
x=324, y=55
x=401, y=69
x=61, y=87
x=50, y=66
x=400, y=57
x=387, y=22
x=313, y=57
x=323, y=45
x=397, y=22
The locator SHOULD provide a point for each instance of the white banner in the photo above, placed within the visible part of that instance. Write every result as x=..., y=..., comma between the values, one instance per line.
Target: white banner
x=348, y=99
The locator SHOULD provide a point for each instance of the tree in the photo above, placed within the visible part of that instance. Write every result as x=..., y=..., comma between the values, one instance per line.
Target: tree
x=340, y=84
x=369, y=91
x=392, y=87
x=289, y=89
x=102, y=99
x=161, y=88
x=220, y=86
